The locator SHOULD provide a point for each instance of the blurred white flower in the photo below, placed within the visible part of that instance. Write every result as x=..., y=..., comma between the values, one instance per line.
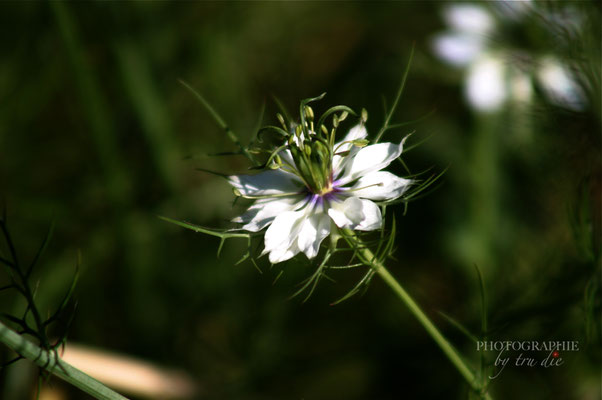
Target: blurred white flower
x=491, y=76
x=300, y=212
x=559, y=84
x=458, y=49
x=467, y=38
x=469, y=18
x=485, y=86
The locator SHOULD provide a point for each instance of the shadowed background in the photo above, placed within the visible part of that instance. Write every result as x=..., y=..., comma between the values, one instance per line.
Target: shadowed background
x=97, y=134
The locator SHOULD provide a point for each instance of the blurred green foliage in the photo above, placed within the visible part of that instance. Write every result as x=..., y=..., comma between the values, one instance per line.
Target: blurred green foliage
x=97, y=134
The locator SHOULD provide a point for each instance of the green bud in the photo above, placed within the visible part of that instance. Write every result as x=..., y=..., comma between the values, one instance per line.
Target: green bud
x=309, y=113
x=364, y=115
x=335, y=121
x=298, y=130
x=281, y=119
x=321, y=149
x=360, y=143
x=324, y=129
x=278, y=160
x=343, y=116
x=320, y=153
x=307, y=150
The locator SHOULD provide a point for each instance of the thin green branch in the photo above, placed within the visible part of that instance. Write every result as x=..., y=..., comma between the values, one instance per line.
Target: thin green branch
x=386, y=126
x=220, y=121
x=208, y=231
x=50, y=361
x=484, y=327
x=25, y=289
x=447, y=348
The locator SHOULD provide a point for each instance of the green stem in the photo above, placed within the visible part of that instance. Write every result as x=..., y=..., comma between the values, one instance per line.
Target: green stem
x=50, y=361
x=386, y=126
x=451, y=353
x=221, y=122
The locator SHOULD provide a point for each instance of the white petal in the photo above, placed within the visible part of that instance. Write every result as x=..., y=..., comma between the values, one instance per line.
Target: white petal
x=338, y=212
x=314, y=230
x=356, y=133
x=486, y=83
x=559, y=85
x=281, y=237
x=283, y=230
x=372, y=217
x=356, y=213
x=458, y=49
x=266, y=183
x=282, y=254
x=263, y=212
x=369, y=159
x=380, y=185
x=469, y=18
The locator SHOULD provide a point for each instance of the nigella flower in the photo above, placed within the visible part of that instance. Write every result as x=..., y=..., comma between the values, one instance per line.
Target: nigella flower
x=492, y=77
x=316, y=186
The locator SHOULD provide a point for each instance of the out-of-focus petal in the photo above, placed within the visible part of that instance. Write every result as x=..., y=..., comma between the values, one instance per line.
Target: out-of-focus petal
x=469, y=18
x=458, y=49
x=486, y=84
x=559, y=85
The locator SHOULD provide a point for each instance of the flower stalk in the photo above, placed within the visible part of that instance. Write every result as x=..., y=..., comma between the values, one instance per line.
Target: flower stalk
x=50, y=361
x=368, y=258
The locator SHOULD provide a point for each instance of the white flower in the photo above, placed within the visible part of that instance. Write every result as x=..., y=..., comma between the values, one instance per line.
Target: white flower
x=492, y=77
x=559, y=84
x=300, y=215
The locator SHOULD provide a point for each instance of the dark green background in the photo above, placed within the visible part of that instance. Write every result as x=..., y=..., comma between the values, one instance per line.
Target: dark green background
x=96, y=134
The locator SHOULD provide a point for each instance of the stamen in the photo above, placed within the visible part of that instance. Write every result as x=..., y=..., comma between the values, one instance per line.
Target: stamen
x=267, y=196
x=357, y=143
x=360, y=188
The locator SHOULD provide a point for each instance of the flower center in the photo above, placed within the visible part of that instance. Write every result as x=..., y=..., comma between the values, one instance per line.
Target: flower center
x=312, y=147
x=313, y=159
x=328, y=189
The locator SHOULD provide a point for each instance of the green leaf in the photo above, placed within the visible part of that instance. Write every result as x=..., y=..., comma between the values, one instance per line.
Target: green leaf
x=219, y=120
x=273, y=128
x=459, y=326
x=209, y=231
x=40, y=251
x=282, y=109
x=388, y=250
x=68, y=295
x=397, y=97
x=313, y=280
x=364, y=282
x=414, y=121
